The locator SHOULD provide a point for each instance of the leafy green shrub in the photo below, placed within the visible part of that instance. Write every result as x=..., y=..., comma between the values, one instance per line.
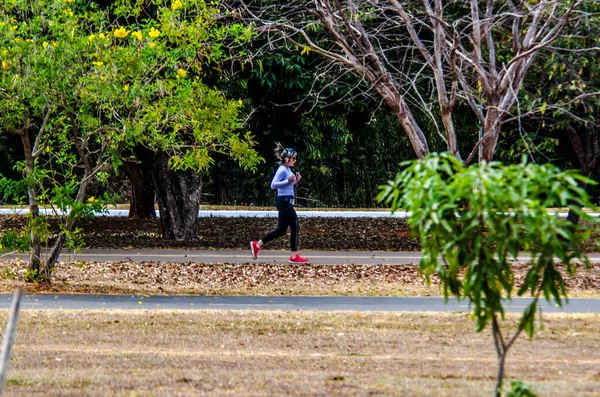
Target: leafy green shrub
x=473, y=221
x=519, y=389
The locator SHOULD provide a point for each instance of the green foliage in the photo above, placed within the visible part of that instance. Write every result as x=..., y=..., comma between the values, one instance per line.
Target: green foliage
x=11, y=240
x=119, y=83
x=7, y=273
x=15, y=189
x=282, y=70
x=32, y=276
x=519, y=389
x=81, y=84
x=79, y=265
x=473, y=221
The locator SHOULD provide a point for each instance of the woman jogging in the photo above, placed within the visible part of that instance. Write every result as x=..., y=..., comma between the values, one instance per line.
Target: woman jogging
x=284, y=181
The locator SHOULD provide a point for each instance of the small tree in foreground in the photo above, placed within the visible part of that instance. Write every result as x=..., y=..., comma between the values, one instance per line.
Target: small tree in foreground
x=473, y=221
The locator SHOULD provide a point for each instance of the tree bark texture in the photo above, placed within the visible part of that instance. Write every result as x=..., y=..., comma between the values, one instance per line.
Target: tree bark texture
x=141, y=205
x=35, y=247
x=52, y=258
x=178, y=196
x=411, y=127
x=491, y=131
x=457, y=45
x=587, y=151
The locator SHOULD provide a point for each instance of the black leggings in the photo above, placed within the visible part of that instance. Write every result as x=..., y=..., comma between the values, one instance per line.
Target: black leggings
x=286, y=217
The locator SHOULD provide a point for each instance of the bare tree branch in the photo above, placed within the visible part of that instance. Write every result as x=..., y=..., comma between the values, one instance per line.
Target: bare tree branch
x=462, y=45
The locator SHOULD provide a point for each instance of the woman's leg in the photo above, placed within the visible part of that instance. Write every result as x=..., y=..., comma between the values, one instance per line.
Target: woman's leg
x=295, y=230
x=282, y=225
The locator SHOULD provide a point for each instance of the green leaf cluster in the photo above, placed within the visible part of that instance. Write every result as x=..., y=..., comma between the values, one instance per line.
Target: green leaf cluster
x=519, y=389
x=81, y=83
x=472, y=222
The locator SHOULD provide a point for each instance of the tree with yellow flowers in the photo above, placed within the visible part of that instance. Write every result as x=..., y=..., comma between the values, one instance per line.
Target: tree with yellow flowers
x=81, y=87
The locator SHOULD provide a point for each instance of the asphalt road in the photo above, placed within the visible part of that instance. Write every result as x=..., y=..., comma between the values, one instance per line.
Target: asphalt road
x=243, y=256
x=306, y=303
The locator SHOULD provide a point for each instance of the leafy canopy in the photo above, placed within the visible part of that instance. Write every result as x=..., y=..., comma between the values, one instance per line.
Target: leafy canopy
x=473, y=221
x=80, y=84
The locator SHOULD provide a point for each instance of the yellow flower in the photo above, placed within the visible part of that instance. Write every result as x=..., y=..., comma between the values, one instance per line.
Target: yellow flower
x=29, y=41
x=69, y=1
x=137, y=35
x=152, y=44
x=240, y=102
x=181, y=74
x=126, y=87
x=176, y=4
x=91, y=199
x=13, y=28
x=121, y=33
x=154, y=33
x=45, y=44
x=102, y=35
x=4, y=52
x=5, y=65
x=54, y=44
x=91, y=37
x=98, y=63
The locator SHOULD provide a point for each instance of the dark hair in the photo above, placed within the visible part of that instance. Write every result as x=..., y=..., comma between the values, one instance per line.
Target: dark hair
x=282, y=153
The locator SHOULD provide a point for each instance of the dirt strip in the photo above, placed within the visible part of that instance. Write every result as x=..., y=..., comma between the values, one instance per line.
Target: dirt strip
x=254, y=279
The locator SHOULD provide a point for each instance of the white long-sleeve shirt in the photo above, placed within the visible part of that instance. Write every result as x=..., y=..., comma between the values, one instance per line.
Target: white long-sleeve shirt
x=280, y=181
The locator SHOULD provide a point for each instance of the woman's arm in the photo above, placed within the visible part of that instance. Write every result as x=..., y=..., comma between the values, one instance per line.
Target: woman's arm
x=281, y=178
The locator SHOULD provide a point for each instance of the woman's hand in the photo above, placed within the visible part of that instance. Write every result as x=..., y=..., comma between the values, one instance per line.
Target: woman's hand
x=298, y=177
x=291, y=179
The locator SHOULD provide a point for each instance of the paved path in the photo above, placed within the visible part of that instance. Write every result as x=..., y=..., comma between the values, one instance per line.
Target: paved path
x=362, y=304
x=243, y=256
x=233, y=256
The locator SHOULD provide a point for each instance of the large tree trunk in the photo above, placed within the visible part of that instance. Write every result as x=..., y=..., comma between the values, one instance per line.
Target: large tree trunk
x=178, y=196
x=35, y=247
x=491, y=131
x=588, y=154
x=396, y=102
x=139, y=172
x=52, y=257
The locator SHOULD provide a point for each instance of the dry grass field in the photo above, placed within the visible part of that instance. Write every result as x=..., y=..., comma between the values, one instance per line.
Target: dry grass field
x=244, y=353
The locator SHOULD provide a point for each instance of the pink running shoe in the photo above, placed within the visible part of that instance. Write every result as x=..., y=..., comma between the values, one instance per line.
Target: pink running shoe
x=254, y=248
x=298, y=259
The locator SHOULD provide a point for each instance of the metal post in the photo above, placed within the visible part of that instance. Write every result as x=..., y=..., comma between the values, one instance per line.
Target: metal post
x=9, y=336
